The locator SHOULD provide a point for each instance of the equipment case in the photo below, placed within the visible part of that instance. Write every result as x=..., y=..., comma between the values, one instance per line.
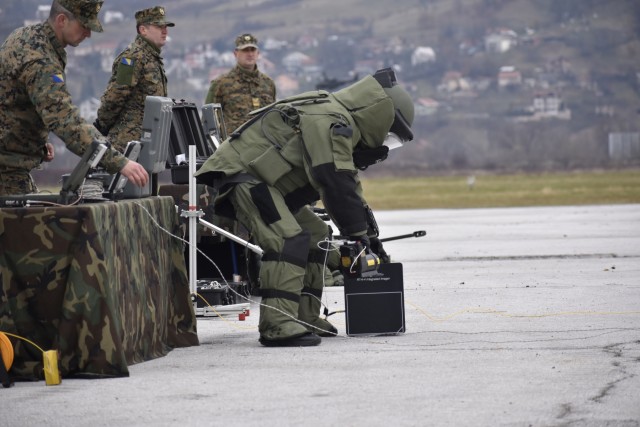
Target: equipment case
x=374, y=304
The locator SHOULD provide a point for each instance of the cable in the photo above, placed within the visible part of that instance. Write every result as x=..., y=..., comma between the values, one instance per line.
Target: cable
x=221, y=316
x=23, y=339
x=427, y=315
x=223, y=278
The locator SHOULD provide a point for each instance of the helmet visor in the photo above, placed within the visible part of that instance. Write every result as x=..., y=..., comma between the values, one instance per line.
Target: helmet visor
x=393, y=141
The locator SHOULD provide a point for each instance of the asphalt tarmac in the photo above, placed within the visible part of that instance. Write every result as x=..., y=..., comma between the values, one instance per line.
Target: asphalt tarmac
x=514, y=317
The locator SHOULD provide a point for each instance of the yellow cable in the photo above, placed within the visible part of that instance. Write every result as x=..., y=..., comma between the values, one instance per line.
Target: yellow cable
x=23, y=339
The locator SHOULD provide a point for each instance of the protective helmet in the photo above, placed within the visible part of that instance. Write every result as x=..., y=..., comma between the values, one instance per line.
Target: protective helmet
x=401, y=102
x=404, y=112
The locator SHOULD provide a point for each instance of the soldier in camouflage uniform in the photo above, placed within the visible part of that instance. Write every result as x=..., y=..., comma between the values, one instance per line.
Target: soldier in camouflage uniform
x=34, y=99
x=138, y=72
x=289, y=155
x=244, y=88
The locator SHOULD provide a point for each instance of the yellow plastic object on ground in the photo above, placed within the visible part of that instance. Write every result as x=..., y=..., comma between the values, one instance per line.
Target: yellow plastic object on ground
x=51, y=372
x=6, y=349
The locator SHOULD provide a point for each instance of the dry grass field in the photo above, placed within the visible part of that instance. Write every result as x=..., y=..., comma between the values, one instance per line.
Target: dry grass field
x=571, y=188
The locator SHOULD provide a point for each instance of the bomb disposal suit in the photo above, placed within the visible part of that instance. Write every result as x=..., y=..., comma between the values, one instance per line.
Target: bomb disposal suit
x=293, y=153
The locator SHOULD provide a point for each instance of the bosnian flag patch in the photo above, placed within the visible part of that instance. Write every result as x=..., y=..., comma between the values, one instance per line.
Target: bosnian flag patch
x=127, y=61
x=57, y=78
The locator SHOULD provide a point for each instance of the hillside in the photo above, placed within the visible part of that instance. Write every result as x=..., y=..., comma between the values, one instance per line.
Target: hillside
x=483, y=100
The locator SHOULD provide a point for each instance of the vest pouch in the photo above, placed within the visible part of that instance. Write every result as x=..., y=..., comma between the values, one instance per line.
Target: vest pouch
x=270, y=166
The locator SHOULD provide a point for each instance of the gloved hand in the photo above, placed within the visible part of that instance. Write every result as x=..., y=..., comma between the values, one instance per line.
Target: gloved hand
x=364, y=241
x=364, y=158
x=376, y=248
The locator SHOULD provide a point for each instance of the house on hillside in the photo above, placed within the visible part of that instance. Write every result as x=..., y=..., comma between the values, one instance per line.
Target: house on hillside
x=113, y=16
x=295, y=61
x=509, y=76
x=545, y=106
x=455, y=85
x=500, y=40
x=422, y=55
x=426, y=106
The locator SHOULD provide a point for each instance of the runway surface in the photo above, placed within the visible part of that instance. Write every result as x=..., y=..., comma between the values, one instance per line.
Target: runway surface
x=514, y=317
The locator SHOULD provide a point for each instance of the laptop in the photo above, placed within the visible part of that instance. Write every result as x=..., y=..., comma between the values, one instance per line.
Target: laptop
x=69, y=191
x=116, y=186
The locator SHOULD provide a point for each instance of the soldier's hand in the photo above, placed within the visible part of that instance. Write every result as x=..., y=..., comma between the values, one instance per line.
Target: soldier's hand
x=49, y=153
x=376, y=248
x=135, y=173
x=363, y=240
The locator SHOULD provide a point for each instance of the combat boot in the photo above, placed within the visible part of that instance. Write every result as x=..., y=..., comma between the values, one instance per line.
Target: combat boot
x=309, y=313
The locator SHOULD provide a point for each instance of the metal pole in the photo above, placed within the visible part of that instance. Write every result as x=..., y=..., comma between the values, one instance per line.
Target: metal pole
x=193, y=222
x=252, y=247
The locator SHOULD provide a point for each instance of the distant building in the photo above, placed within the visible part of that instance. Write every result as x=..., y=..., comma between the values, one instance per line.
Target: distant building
x=509, y=76
x=422, y=55
x=624, y=146
x=113, y=16
x=500, y=40
x=549, y=104
x=545, y=106
x=426, y=106
x=294, y=61
x=42, y=12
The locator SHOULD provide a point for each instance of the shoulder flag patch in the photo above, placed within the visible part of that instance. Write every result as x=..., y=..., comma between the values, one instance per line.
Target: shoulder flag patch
x=127, y=61
x=57, y=78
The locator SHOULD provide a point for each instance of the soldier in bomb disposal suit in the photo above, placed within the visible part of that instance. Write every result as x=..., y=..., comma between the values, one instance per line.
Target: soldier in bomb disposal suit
x=244, y=88
x=295, y=152
x=34, y=99
x=138, y=72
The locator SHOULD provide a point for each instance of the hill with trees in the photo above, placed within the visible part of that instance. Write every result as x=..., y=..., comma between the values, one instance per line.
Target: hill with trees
x=499, y=85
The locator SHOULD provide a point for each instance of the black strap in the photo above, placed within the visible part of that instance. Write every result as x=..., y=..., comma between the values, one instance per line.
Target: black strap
x=281, y=257
x=315, y=292
x=276, y=293
x=317, y=257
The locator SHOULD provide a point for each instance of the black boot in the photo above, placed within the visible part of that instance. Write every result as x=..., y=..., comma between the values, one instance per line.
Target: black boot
x=305, y=340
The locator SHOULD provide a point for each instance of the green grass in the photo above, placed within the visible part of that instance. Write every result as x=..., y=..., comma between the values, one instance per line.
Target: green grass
x=552, y=189
x=574, y=188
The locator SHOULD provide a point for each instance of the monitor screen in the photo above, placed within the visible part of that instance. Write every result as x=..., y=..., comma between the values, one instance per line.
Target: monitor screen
x=156, y=127
x=187, y=129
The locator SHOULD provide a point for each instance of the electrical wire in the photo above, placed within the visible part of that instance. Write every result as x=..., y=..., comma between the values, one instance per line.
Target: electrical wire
x=432, y=318
x=225, y=280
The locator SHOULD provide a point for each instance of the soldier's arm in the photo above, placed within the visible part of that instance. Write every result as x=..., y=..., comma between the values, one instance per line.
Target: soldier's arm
x=119, y=90
x=212, y=96
x=45, y=83
x=328, y=147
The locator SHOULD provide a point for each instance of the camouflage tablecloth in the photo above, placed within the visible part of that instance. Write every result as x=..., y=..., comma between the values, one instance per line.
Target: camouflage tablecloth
x=100, y=283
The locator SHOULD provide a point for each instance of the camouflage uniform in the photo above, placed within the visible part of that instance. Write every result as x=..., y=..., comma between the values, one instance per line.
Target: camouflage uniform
x=292, y=154
x=34, y=100
x=240, y=91
x=137, y=72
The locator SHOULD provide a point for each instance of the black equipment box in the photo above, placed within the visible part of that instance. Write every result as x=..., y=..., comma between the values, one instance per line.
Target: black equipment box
x=217, y=292
x=374, y=304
